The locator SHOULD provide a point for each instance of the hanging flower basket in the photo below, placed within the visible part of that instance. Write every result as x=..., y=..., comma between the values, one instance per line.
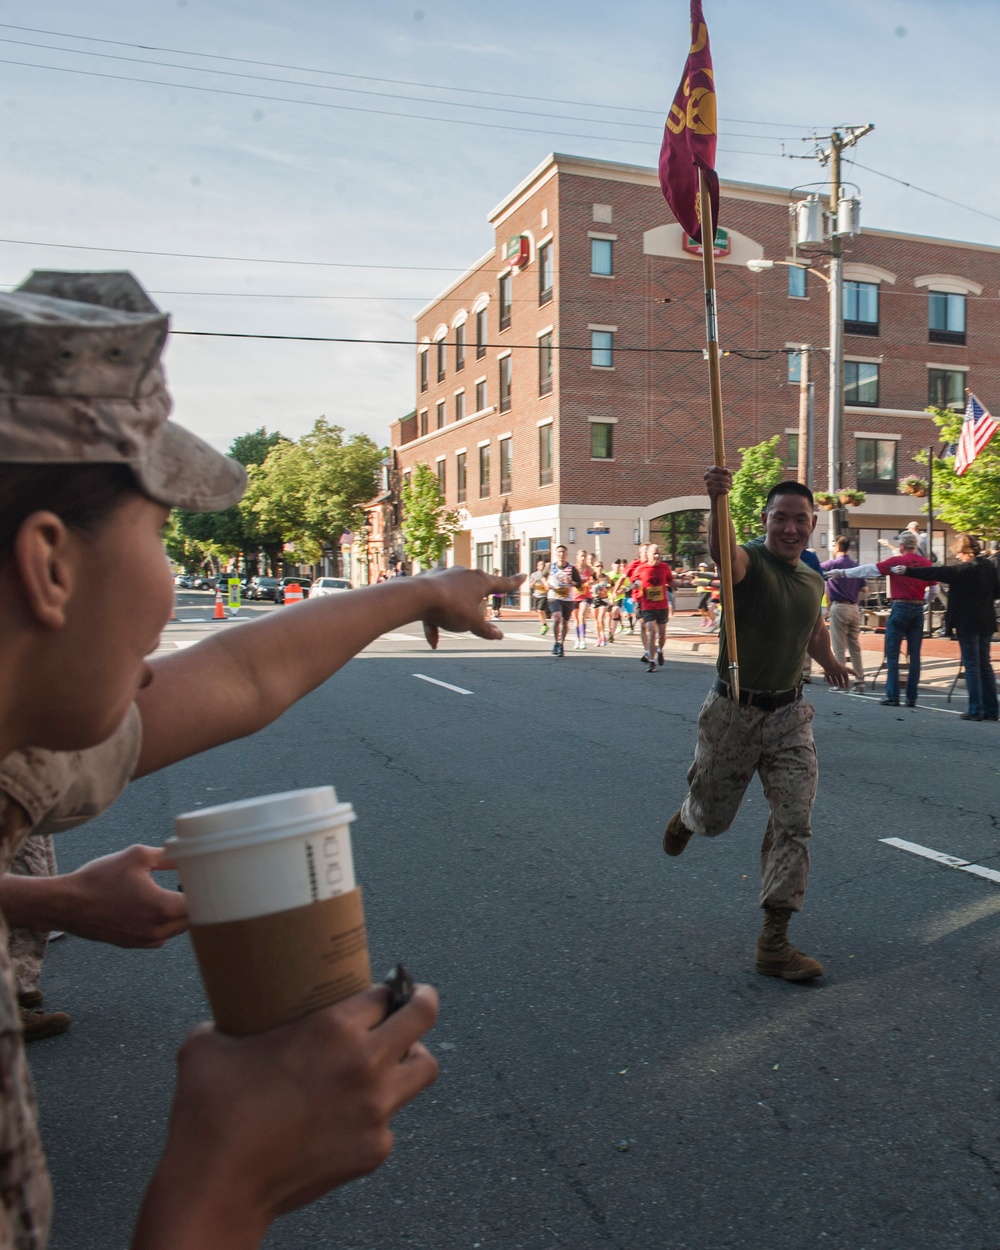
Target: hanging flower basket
x=913, y=485
x=825, y=500
x=852, y=498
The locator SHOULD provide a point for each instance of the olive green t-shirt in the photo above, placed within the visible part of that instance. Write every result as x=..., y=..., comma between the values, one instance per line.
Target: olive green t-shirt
x=776, y=604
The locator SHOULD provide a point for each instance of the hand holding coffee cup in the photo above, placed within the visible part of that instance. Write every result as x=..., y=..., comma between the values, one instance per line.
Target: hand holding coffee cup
x=276, y=916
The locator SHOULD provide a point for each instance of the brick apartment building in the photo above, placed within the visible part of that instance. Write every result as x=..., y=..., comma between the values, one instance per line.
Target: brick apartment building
x=561, y=385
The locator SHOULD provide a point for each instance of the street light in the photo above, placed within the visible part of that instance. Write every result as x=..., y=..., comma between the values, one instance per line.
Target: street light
x=367, y=527
x=834, y=285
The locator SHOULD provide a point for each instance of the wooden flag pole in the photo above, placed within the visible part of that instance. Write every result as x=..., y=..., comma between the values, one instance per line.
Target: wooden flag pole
x=718, y=440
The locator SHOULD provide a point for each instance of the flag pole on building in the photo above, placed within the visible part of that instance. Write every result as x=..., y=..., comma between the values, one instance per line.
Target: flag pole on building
x=691, y=189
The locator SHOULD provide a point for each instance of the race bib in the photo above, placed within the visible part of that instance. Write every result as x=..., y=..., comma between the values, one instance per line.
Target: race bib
x=561, y=592
x=653, y=594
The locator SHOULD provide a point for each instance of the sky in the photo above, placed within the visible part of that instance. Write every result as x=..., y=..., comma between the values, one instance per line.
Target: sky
x=246, y=135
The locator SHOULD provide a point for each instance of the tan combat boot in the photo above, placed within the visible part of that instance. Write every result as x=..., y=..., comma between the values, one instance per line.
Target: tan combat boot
x=776, y=956
x=677, y=835
x=36, y=1025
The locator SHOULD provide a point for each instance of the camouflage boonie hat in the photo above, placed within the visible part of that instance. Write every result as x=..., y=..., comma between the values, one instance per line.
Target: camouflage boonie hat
x=81, y=383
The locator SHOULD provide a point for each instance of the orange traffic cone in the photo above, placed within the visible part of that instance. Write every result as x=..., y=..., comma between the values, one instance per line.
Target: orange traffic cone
x=293, y=593
x=220, y=611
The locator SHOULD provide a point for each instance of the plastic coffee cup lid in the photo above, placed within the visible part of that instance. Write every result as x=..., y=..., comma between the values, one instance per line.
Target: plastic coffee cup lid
x=269, y=816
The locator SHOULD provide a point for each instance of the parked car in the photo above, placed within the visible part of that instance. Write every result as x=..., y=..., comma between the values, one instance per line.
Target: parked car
x=183, y=582
x=264, y=588
x=304, y=582
x=204, y=583
x=328, y=586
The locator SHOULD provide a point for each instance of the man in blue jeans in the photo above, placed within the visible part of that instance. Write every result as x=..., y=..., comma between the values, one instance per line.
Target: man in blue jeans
x=906, y=620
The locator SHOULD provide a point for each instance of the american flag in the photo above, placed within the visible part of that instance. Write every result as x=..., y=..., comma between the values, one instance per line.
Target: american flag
x=977, y=430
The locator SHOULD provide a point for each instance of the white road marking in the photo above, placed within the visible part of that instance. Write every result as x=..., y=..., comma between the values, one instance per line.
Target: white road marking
x=447, y=685
x=400, y=638
x=527, y=638
x=921, y=707
x=948, y=861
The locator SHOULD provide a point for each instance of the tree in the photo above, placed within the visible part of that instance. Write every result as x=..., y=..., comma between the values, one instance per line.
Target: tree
x=428, y=527
x=227, y=535
x=970, y=502
x=760, y=469
x=312, y=490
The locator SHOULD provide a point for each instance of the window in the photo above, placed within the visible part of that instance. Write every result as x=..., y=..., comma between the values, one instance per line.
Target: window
x=545, y=455
x=601, y=349
x=795, y=366
x=793, y=452
x=460, y=406
x=441, y=353
x=546, y=273
x=877, y=465
x=484, y=557
x=484, y=472
x=460, y=476
x=946, y=388
x=505, y=283
x=422, y=423
x=601, y=440
x=505, y=376
x=796, y=282
x=423, y=370
x=480, y=395
x=545, y=364
x=481, y=334
x=441, y=472
x=947, y=317
x=506, y=465
x=459, y=348
x=602, y=257
x=861, y=307
x=860, y=383
x=442, y=416
x=539, y=549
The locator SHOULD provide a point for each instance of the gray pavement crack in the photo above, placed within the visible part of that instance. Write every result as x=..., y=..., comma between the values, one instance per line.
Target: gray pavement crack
x=988, y=1162
x=387, y=760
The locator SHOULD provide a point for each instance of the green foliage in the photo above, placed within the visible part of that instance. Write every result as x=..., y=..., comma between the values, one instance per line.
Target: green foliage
x=970, y=502
x=760, y=469
x=221, y=537
x=428, y=527
x=309, y=492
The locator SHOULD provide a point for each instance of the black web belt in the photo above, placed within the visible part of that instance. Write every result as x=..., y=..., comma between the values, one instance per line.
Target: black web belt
x=765, y=700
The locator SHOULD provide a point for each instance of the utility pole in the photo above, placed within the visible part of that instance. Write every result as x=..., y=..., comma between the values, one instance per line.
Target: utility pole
x=804, y=472
x=835, y=426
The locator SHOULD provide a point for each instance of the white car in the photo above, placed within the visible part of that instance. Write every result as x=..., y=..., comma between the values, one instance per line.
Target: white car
x=328, y=586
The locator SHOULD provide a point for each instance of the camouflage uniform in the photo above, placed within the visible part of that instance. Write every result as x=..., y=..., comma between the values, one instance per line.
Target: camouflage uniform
x=41, y=792
x=734, y=743
x=36, y=858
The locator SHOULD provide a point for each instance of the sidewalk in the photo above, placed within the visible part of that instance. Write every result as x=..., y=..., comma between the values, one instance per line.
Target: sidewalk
x=939, y=657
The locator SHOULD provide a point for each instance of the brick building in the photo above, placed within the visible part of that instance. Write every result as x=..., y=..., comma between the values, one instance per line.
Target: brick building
x=561, y=385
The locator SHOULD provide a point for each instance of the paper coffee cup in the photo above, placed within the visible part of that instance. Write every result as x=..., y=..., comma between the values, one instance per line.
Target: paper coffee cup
x=276, y=917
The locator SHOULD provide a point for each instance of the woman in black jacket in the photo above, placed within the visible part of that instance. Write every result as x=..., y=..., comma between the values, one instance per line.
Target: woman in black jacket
x=973, y=588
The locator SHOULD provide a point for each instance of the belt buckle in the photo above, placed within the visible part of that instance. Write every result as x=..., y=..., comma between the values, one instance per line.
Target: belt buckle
x=766, y=702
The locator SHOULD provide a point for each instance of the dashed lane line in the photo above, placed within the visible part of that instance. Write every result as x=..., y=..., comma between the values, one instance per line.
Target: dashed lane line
x=447, y=685
x=946, y=861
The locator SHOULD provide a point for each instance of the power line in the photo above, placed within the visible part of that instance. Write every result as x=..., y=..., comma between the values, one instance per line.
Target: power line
x=923, y=191
x=380, y=95
x=746, y=353
x=398, y=82
x=350, y=108
x=250, y=260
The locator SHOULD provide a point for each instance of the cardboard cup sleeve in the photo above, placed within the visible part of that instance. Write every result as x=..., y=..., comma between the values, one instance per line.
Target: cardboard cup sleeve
x=268, y=970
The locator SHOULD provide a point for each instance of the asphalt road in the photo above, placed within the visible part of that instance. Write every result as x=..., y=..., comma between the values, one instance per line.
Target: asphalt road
x=613, y=1072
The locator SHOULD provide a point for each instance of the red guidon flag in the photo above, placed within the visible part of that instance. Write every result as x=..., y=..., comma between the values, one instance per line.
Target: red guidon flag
x=689, y=135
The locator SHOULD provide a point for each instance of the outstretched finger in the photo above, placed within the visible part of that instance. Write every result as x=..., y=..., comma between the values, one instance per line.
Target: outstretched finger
x=433, y=635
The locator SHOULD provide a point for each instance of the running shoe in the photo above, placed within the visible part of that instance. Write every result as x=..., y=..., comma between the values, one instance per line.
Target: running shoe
x=644, y=658
x=555, y=648
x=659, y=658
x=652, y=667
x=544, y=630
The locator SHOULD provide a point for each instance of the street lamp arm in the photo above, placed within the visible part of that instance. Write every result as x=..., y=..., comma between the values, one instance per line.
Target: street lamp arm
x=760, y=265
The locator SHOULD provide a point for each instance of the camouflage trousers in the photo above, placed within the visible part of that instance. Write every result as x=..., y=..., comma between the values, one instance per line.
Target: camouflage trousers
x=735, y=742
x=36, y=858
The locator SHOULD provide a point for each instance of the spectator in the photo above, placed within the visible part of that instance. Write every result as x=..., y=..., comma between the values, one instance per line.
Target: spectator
x=973, y=588
x=845, y=616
